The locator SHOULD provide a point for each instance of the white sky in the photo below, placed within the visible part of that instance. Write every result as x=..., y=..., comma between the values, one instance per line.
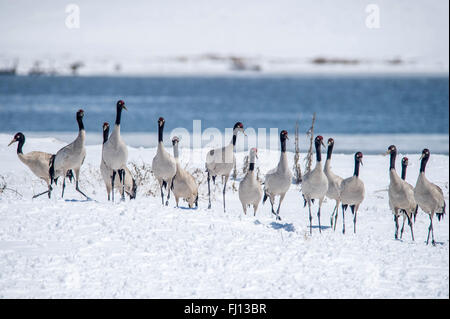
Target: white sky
x=287, y=28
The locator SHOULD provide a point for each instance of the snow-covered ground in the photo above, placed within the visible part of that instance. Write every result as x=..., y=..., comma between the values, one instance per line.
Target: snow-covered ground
x=138, y=249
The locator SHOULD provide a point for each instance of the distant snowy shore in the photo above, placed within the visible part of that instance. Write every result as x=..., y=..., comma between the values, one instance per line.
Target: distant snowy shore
x=73, y=248
x=215, y=64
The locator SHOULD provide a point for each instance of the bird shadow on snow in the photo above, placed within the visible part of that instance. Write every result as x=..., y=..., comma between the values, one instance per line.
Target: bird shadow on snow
x=80, y=200
x=286, y=226
x=186, y=208
x=321, y=227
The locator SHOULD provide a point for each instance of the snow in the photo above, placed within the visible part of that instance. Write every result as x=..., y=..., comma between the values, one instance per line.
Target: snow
x=71, y=248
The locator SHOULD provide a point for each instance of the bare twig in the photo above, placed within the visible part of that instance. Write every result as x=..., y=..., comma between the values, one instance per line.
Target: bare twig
x=311, y=140
x=245, y=167
x=297, y=168
x=3, y=187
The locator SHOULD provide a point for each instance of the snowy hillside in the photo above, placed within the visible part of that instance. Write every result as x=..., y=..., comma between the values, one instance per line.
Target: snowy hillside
x=138, y=249
x=203, y=37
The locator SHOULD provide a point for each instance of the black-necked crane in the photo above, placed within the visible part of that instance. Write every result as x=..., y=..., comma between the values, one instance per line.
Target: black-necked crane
x=401, y=194
x=183, y=183
x=70, y=157
x=315, y=183
x=115, y=151
x=37, y=162
x=250, y=190
x=279, y=179
x=429, y=196
x=220, y=162
x=164, y=166
x=352, y=192
x=334, y=184
x=130, y=182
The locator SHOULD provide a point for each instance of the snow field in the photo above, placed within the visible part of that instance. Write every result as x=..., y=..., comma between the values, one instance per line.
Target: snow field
x=71, y=248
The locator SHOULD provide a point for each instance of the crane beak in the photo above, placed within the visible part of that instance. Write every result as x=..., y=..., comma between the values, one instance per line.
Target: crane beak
x=360, y=160
x=12, y=141
x=125, y=108
x=421, y=156
x=323, y=144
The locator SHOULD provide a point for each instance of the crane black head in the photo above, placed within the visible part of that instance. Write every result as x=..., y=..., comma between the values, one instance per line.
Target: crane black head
x=175, y=140
x=425, y=153
x=424, y=159
x=80, y=115
x=18, y=137
x=319, y=141
x=405, y=161
x=121, y=105
x=358, y=157
x=391, y=149
x=330, y=142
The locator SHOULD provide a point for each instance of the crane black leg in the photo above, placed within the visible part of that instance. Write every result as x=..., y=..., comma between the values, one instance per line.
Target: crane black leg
x=279, y=205
x=336, y=216
x=168, y=194
x=63, y=186
x=310, y=217
x=79, y=191
x=355, y=212
x=48, y=191
x=430, y=229
x=411, y=226
x=318, y=217
x=122, y=177
x=344, y=207
x=162, y=195
x=272, y=201
x=396, y=225
x=209, y=192
x=332, y=216
x=112, y=185
x=224, y=190
x=403, y=225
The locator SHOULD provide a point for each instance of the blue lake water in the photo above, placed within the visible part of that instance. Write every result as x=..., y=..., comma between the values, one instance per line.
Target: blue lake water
x=344, y=104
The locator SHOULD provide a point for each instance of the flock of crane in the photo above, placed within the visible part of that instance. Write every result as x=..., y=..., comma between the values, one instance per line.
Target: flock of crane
x=404, y=199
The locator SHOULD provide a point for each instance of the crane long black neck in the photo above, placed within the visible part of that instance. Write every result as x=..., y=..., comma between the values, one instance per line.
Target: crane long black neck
x=251, y=167
x=118, y=115
x=283, y=145
x=356, y=172
x=20, y=145
x=318, y=153
x=105, y=135
x=423, y=164
x=160, y=133
x=404, y=166
x=234, y=138
x=392, y=162
x=329, y=151
x=80, y=123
